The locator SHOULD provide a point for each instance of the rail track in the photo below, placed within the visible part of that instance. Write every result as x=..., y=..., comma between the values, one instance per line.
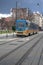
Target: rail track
x=40, y=56
x=8, y=41
x=28, y=52
x=11, y=41
x=19, y=62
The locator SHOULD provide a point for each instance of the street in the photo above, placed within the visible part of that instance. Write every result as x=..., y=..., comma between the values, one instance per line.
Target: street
x=22, y=50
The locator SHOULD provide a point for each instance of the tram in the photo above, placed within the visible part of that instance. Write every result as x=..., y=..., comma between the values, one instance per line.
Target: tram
x=25, y=27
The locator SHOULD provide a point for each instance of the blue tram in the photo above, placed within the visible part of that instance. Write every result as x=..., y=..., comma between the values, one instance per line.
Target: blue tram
x=25, y=27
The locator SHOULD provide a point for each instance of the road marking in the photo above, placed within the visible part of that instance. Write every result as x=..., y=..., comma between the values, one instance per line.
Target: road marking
x=8, y=39
x=25, y=39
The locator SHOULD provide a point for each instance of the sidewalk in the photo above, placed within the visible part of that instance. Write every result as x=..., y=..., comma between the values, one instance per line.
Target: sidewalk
x=7, y=35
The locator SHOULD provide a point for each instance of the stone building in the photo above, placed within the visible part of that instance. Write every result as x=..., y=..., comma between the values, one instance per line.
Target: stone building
x=19, y=13
x=37, y=18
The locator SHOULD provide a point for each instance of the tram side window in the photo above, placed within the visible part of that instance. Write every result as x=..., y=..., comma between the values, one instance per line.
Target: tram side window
x=31, y=26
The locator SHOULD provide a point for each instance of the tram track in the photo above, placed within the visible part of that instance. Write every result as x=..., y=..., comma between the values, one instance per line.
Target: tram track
x=28, y=52
x=9, y=41
x=40, y=57
x=4, y=56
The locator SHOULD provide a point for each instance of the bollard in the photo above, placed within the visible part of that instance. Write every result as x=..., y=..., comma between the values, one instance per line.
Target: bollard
x=6, y=35
x=13, y=34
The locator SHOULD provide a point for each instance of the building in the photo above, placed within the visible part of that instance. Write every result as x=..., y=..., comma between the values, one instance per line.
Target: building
x=37, y=18
x=42, y=22
x=19, y=13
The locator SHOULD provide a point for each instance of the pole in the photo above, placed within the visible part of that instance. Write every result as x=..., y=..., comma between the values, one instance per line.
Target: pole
x=16, y=10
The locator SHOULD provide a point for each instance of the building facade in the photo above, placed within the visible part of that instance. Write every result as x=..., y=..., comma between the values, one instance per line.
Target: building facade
x=19, y=13
x=37, y=18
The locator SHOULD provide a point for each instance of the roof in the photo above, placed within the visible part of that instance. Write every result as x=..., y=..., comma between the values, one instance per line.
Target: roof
x=21, y=20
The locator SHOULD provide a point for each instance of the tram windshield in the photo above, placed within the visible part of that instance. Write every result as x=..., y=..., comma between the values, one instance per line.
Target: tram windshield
x=20, y=24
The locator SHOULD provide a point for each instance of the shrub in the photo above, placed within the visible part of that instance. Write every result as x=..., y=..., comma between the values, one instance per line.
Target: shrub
x=13, y=28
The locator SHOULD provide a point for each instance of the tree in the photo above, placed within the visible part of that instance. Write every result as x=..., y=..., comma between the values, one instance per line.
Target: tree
x=30, y=15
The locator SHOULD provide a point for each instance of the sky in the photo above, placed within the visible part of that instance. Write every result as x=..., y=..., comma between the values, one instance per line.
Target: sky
x=34, y=5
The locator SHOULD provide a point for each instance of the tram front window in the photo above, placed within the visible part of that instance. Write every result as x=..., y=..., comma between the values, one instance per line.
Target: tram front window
x=20, y=24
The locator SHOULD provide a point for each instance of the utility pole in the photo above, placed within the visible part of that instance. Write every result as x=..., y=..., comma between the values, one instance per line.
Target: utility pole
x=16, y=10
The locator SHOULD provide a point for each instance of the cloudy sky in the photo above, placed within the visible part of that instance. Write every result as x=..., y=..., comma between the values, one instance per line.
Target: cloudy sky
x=34, y=5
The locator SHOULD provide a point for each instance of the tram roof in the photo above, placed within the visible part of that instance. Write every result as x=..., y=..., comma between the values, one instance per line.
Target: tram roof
x=23, y=20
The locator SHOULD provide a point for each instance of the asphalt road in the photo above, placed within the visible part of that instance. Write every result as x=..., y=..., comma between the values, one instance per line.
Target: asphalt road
x=22, y=50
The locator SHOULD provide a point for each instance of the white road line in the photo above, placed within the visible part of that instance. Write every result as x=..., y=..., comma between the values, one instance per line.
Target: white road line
x=25, y=39
x=7, y=39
